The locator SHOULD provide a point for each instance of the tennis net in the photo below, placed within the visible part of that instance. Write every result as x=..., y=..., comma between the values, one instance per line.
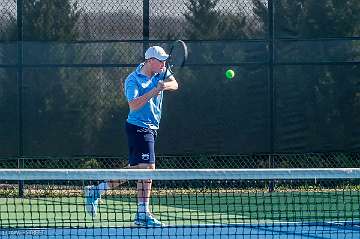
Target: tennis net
x=200, y=203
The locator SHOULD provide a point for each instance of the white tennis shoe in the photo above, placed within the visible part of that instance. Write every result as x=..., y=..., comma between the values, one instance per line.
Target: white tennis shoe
x=147, y=220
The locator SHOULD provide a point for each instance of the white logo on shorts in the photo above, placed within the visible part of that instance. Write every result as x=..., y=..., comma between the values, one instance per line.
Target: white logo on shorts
x=145, y=157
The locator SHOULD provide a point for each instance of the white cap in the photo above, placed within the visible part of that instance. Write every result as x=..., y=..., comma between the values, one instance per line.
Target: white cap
x=156, y=52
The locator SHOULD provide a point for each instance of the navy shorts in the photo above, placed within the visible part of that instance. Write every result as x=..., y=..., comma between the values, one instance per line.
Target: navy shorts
x=141, y=142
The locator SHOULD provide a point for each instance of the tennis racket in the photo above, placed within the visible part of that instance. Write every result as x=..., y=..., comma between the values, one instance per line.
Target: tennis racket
x=177, y=56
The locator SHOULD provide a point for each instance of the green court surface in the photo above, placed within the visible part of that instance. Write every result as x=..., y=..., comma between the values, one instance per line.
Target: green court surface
x=185, y=208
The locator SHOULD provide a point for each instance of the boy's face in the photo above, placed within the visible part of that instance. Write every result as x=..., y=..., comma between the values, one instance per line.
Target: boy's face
x=157, y=65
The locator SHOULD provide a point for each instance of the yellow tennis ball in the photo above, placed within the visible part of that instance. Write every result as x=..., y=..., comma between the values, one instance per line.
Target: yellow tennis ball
x=230, y=74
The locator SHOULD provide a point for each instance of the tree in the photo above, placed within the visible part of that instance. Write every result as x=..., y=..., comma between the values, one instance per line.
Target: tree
x=216, y=32
x=316, y=105
x=8, y=87
x=203, y=19
x=43, y=23
x=65, y=108
x=50, y=20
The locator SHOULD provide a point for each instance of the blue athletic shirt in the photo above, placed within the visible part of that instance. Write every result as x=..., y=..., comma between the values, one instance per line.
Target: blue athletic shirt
x=138, y=84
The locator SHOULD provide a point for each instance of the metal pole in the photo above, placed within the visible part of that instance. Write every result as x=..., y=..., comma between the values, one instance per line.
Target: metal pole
x=146, y=25
x=20, y=89
x=272, y=88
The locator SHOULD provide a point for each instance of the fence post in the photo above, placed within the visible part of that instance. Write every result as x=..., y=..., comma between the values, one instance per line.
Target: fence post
x=272, y=89
x=20, y=90
x=146, y=25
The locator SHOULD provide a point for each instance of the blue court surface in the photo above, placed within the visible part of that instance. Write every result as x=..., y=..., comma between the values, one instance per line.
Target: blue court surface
x=339, y=230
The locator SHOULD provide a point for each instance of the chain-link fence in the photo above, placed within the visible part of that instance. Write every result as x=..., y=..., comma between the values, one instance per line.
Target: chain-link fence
x=296, y=88
x=299, y=160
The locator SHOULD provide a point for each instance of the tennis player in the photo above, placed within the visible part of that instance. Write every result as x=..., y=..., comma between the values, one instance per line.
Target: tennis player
x=144, y=92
